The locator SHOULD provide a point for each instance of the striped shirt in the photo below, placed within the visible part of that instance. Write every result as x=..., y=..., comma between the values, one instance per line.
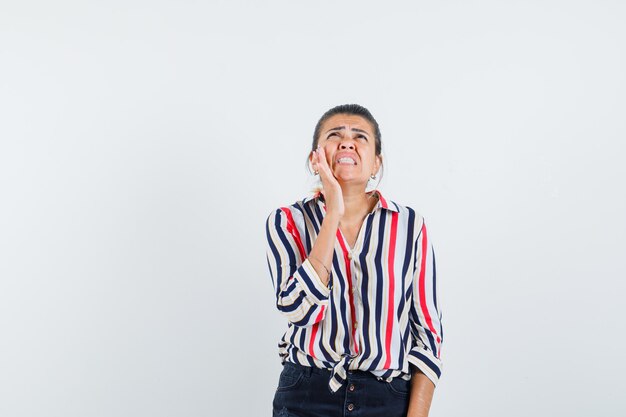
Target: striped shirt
x=380, y=310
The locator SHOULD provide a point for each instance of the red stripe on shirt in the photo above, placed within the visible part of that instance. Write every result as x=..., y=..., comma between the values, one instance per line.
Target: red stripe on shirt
x=314, y=331
x=293, y=230
x=383, y=202
x=422, y=283
x=390, y=303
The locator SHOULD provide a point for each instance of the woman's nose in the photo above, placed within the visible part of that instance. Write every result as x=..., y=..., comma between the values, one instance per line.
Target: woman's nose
x=347, y=144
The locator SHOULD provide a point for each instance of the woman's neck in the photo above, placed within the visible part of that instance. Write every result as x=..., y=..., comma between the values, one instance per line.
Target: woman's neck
x=357, y=204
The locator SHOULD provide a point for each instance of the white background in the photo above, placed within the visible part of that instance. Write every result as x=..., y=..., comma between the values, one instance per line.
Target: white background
x=144, y=143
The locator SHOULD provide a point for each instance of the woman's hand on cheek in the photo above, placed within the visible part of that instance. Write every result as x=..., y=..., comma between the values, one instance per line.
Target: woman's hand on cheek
x=331, y=188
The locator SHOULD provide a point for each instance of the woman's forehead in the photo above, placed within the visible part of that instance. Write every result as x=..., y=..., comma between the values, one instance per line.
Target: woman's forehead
x=347, y=121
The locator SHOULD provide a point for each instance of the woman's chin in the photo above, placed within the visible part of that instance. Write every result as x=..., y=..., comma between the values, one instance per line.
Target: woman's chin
x=350, y=180
x=346, y=174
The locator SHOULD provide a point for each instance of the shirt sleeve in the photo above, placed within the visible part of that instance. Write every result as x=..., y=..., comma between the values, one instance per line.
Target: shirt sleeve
x=425, y=315
x=301, y=296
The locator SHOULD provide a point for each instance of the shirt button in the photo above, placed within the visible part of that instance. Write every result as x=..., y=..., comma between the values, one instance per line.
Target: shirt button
x=351, y=388
x=355, y=324
x=349, y=255
x=350, y=407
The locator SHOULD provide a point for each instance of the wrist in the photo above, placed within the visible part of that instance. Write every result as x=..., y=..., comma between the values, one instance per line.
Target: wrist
x=331, y=218
x=325, y=281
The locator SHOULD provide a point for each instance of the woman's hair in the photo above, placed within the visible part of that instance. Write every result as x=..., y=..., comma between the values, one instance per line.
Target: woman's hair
x=350, y=109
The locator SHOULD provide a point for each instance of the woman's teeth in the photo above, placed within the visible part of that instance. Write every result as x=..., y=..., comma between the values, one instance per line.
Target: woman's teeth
x=349, y=161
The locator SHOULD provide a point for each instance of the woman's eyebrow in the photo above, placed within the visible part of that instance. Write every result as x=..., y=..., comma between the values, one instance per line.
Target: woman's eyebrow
x=360, y=131
x=353, y=129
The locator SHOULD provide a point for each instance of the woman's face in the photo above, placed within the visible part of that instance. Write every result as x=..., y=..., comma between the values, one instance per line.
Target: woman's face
x=350, y=147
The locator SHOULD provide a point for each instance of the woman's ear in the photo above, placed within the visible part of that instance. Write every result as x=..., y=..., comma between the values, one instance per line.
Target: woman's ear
x=311, y=159
x=378, y=163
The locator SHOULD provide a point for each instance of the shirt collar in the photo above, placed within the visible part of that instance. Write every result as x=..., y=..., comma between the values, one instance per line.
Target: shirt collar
x=382, y=202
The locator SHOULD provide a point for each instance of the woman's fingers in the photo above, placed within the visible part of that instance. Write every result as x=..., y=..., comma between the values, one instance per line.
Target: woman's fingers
x=331, y=188
x=326, y=174
x=322, y=164
x=321, y=167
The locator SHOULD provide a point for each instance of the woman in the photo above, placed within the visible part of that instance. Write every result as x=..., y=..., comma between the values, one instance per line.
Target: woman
x=354, y=275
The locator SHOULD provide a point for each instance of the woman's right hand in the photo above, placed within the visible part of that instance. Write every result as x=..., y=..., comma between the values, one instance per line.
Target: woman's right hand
x=331, y=189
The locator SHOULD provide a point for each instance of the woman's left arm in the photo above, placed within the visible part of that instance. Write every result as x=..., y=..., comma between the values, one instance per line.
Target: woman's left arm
x=426, y=328
x=422, y=390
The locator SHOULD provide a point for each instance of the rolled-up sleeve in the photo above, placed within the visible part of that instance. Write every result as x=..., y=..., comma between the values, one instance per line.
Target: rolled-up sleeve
x=301, y=296
x=425, y=315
